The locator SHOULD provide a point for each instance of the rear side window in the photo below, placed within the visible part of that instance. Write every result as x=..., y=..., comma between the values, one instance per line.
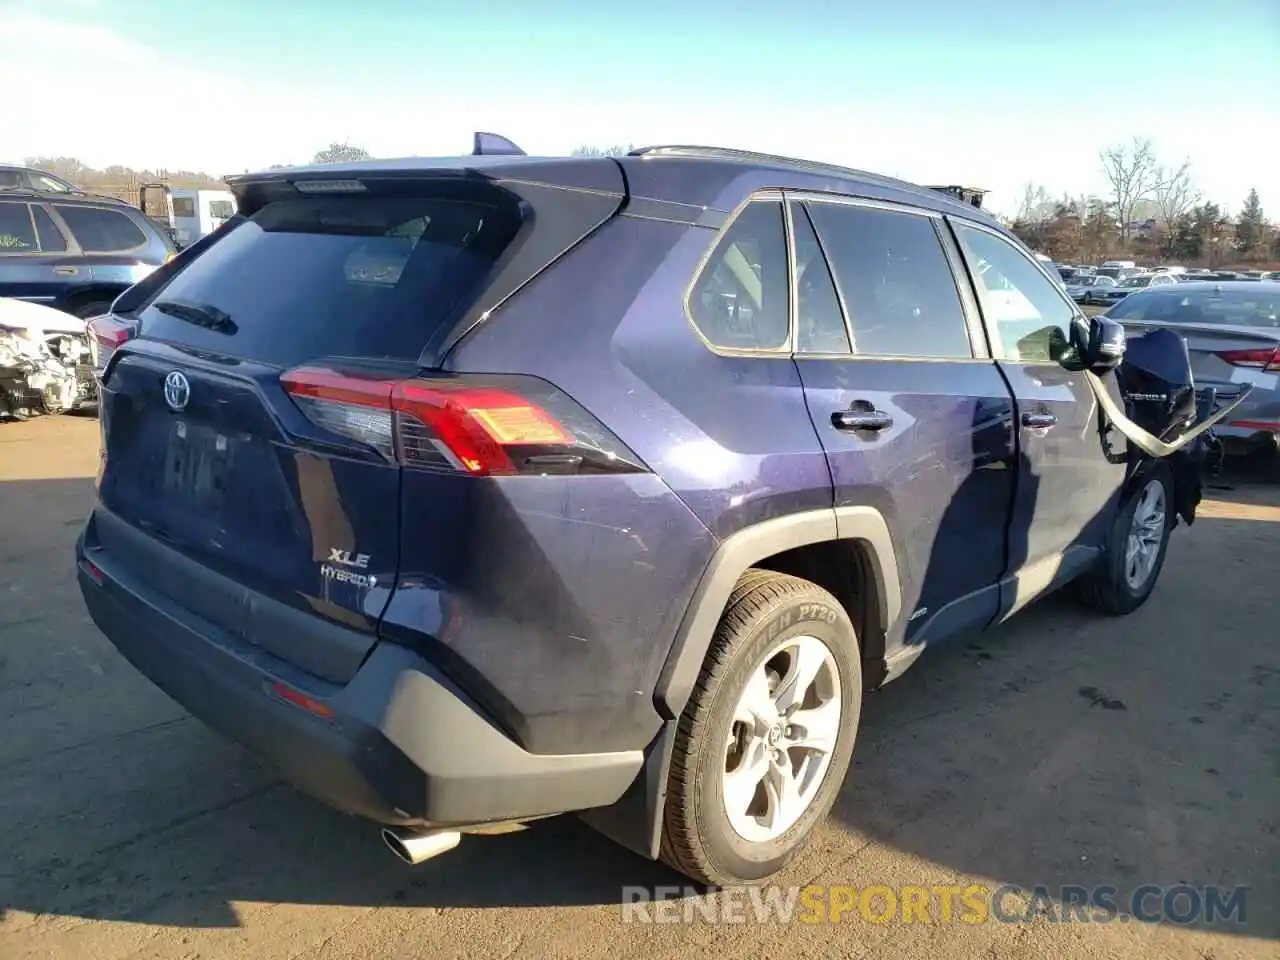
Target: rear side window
x=819, y=320
x=48, y=184
x=17, y=234
x=741, y=299
x=51, y=238
x=102, y=231
x=366, y=277
x=895, y=280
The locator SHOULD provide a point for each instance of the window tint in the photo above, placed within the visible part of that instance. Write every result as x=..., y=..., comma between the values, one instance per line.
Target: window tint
x=820, y=323
x=338, y=276
x=895, y=280
x=102, y=231
x=184, y=206
x=51, y=238
x=741, y=298
x=12, y=180
x=1022, y=306
x=17, y=235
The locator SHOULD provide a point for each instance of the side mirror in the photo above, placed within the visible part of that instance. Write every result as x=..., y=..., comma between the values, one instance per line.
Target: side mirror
x=1095, y=344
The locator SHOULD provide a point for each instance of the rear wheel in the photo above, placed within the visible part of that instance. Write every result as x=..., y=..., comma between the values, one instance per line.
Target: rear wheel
x=89, y=308
x=1136, y=548
x=765, y=741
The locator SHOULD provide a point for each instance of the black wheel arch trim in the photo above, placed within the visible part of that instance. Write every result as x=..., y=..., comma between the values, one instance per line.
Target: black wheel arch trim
x=746, y=548
x=635, y=821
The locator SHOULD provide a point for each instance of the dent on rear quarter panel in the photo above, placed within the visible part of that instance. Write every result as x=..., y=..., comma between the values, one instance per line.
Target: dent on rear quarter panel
x=548, y=598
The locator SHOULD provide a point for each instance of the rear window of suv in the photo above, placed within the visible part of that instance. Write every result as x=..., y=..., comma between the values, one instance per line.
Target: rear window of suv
x=101, y=231
x=370, y=277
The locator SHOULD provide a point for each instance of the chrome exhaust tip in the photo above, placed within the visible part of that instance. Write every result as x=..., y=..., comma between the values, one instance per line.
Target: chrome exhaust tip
x=416, y=846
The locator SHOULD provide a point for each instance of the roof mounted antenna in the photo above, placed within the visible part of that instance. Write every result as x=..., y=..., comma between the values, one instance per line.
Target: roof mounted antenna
x=492, y=145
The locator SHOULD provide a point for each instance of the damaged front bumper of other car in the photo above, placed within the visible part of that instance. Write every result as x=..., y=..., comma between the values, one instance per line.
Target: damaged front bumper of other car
x=43, y=372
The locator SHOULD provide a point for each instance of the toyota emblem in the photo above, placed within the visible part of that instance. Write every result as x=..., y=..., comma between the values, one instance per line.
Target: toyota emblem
x=177, y=391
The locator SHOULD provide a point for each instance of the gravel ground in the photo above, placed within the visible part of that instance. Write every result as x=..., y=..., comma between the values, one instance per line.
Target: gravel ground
x=1059, y=749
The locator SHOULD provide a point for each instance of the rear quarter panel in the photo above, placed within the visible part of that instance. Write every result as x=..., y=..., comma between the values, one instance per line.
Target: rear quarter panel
x=571, y=639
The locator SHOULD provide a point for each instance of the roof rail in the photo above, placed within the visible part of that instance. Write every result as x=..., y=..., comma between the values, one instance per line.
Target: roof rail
x=732, y=153
x=29, y=194
x=749, y=156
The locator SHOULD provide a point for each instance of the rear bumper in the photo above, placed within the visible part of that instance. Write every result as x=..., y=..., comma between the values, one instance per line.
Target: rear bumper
x=397, y=744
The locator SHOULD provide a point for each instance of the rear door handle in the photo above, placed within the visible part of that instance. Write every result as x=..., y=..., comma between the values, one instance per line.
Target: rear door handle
x=66, y=271
x=1039, y=419
x=861, y=418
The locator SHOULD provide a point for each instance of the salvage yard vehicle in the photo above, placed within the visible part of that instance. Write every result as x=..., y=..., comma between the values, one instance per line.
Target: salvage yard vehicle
x=1232, y=329
x=45, y=364
x=1082, y=287
x=74, y=253
x=475, y=490
x=186, y=213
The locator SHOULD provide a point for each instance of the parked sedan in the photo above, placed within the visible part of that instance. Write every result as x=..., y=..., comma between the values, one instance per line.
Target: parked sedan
x=1132, y=285
x=1081, y=287
x=1232, y=330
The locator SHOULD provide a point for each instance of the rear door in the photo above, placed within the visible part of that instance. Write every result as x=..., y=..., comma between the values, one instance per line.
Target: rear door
x=272, y=506
x=914, y=416
x=1067, y=490
x=35, y=262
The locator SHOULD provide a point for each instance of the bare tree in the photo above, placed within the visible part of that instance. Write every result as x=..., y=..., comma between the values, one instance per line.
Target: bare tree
x=617, y=150
x=1035, y=205
x=341, y=153
x=1131, y=171
x=1173, y=195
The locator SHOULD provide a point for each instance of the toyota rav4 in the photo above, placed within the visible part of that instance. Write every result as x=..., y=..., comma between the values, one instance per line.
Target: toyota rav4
x=479, y=490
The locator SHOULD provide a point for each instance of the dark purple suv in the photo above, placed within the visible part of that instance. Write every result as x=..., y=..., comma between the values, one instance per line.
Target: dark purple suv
x=478, y=490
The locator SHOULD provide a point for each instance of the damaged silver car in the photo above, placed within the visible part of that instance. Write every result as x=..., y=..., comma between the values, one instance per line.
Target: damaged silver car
x=45, y=362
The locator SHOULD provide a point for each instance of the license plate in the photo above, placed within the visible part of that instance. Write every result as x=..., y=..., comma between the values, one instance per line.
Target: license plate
x=197, y=464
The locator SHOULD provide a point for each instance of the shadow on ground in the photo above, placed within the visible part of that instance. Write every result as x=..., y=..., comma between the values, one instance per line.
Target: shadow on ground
x=1058, y=749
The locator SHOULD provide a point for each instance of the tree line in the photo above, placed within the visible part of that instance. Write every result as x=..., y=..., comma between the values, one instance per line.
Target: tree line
x=1150, y=212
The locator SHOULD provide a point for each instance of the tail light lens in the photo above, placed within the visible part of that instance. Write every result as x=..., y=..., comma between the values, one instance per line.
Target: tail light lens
x=106, y=334
x=503, y=425
x=1266, y=359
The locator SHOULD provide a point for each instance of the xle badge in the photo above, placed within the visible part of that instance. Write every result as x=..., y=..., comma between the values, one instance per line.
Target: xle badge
x=341, y=564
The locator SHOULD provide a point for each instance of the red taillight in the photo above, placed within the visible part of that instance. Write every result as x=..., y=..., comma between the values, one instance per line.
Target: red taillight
x=95, y=574
x=106, y=334
x=486, y=426
x=1266, y=359
x=109, y=331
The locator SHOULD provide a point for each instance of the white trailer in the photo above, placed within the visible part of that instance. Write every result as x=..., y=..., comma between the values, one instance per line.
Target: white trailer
x=197, y=213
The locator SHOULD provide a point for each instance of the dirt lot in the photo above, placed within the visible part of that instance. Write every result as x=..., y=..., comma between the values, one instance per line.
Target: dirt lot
x=1058, y=749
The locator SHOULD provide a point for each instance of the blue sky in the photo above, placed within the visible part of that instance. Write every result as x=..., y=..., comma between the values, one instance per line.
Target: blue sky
x=991, y=92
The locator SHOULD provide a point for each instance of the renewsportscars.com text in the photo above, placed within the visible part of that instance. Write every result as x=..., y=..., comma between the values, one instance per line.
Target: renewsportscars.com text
x=938, y=904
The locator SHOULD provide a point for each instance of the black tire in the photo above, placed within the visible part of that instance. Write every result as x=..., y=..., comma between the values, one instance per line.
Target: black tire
x=1106, y=587
x=764, y=609
x=89, y=308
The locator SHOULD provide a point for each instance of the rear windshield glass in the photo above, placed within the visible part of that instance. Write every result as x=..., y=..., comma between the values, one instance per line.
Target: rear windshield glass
x=334, y=276
x=1246, y=309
